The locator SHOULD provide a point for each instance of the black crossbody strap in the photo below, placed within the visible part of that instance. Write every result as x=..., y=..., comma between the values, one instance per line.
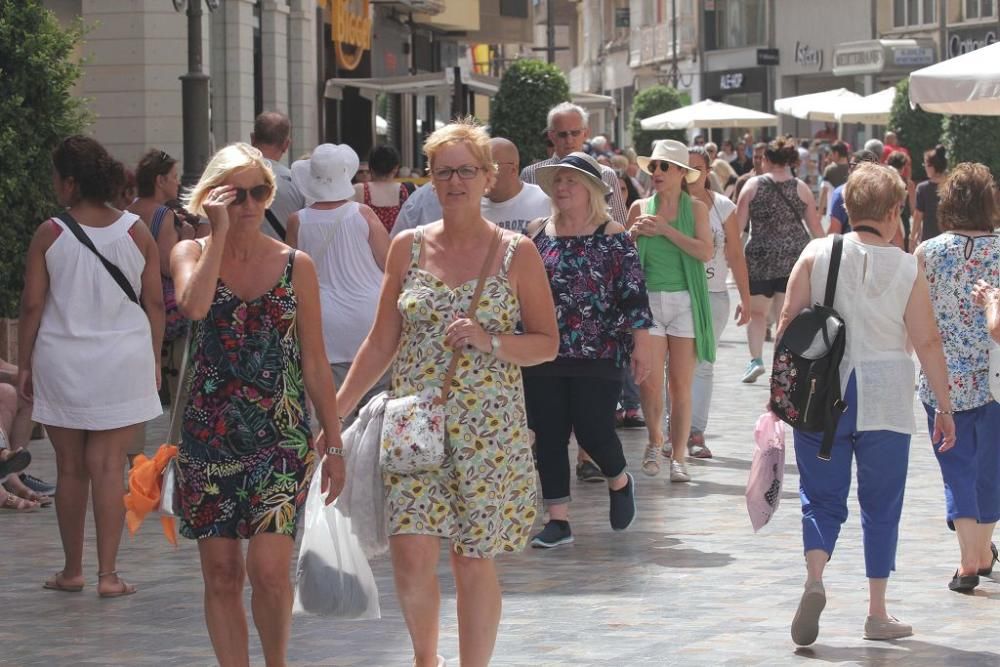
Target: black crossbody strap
x=115, y=272
x=278, y=228
x=777, y=188
x=832, y=273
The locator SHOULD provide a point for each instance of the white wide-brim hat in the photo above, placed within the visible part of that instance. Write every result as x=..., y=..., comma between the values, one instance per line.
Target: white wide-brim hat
x=578, y=161
x=327, y=174
x=673, y=152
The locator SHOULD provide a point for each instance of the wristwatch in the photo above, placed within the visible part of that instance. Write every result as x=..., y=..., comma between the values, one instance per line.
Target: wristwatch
x=335, y=451
x=494, y=343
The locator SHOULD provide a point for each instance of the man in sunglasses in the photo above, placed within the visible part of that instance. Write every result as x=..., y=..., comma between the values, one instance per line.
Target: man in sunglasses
x=272, y=133
x=568, y=131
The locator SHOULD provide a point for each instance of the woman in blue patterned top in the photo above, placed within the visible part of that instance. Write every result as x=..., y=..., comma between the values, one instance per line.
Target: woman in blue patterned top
x=603, y=313
x=968, y=251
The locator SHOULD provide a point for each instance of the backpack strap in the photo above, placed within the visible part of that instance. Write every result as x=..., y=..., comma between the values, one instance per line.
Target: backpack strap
x=276, y=225
x=115, y=272
x=831, y=275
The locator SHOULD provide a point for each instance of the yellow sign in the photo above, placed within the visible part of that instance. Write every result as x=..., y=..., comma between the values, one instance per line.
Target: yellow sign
x=351, y=30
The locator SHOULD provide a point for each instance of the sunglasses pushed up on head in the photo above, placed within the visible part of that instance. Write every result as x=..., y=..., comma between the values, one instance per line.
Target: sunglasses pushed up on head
x=260, y=193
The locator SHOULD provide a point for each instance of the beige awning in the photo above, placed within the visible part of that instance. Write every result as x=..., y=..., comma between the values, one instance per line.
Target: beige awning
x=429, y=83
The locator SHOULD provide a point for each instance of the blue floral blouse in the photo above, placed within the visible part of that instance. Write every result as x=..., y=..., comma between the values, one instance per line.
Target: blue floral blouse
x=953, y=263
x=599, y=292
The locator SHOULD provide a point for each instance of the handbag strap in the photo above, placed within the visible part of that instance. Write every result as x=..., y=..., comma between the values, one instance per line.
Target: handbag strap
x=180, y=398
x=276, y=225
x=115, y=272
x=471, y=314
x=777, y=188
x=834, y=271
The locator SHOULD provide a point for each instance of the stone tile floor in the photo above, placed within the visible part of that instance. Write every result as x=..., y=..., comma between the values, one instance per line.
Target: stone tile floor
x=688, y=584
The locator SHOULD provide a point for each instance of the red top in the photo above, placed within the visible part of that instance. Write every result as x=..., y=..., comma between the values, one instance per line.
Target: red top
x=387, y=214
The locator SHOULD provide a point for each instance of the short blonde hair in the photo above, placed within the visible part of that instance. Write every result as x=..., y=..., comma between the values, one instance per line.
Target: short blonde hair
x=599, y=210
x=232, y=158
x=872, y=191
x=466, y=131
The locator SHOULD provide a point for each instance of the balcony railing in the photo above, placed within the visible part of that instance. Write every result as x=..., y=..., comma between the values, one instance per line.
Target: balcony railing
x=653, y=44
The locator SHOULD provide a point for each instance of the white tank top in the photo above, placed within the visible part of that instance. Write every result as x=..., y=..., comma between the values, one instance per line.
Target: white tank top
x=349, y=278
x=873, y=288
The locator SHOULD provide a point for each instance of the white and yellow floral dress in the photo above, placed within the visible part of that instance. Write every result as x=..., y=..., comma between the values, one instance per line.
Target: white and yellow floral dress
x=483, y=497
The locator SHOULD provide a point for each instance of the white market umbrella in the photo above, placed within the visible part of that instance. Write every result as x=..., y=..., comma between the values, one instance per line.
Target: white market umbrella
x=381, y=125
x=708, y=114
x=872, y=109
x=816, y=106
x=967, y=85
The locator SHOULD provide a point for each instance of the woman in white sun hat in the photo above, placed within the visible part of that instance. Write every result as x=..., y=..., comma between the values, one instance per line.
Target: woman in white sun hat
x=674, y=238
x=348, y=243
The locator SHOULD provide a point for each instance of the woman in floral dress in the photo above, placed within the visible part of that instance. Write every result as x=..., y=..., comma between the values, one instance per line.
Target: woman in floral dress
x=246, y=456
x=482, y=499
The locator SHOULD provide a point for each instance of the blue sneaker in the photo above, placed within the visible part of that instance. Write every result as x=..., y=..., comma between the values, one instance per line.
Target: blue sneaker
x=754, y=370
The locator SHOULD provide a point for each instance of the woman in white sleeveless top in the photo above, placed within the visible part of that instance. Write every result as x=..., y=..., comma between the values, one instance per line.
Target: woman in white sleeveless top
x=883, y=300
x=89, y=354
x=348, y=243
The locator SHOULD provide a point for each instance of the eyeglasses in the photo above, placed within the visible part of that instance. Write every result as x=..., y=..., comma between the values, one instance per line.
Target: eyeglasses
x=662, y=165
x=466, y=172
x=569, y=133
x=260, y=193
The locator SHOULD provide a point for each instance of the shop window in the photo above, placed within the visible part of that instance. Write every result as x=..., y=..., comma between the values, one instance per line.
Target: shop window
x=913, y=12
x=514, y=8
x=978, y=9
x=732, y=24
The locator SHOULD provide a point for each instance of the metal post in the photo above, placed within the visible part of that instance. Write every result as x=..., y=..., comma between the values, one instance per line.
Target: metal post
x=194, y=101
x=550, y=30
x=674, y=70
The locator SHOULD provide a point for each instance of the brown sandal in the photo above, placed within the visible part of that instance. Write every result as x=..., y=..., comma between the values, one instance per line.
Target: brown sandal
x=54, y=584
x=126, y=588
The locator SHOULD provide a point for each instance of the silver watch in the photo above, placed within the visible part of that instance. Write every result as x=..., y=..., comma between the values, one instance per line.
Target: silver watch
x=494, y=343
x=335, y=451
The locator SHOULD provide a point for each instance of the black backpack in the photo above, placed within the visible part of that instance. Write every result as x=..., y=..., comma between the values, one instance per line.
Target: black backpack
x=805, y=375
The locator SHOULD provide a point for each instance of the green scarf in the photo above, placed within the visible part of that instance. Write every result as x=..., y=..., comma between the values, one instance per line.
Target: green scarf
x=694, y=275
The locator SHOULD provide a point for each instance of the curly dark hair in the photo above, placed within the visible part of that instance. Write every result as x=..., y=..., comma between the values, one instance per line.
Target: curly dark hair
x=98, y=176
x=782, y=151
x=967, y=199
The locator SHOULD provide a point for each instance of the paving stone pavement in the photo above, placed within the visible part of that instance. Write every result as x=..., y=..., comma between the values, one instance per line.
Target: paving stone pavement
x=688, y=584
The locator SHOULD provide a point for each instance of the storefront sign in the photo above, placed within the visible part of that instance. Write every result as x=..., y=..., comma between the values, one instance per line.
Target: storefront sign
x=963, y=41
x=806, y=56
x=768, y=57
x=719, y=84
x=874, y=57
x=351, y=30
x=622, y=17
x=730, y=81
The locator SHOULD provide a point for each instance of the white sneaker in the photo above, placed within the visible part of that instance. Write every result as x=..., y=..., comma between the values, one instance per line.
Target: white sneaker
x=679, y=471
x=651, y=460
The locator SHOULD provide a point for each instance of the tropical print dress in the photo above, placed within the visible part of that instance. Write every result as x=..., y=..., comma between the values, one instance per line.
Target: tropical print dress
x=483, y=497
x=245, y=458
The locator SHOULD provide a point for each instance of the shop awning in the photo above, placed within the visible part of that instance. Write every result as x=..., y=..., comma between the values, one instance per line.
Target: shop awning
x=708, y=114
x=966, y=85
x=816, y=106
x=592, y=100
x=430, y=83
x=872, y=109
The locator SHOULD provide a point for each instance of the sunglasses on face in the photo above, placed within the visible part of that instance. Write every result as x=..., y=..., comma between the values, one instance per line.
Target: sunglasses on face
x=569, y=133
x=662, y=165
x=466, y=172
x=260, y=193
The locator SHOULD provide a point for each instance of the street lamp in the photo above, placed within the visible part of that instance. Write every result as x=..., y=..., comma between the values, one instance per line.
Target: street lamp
x=194, y=94
x=674, y=74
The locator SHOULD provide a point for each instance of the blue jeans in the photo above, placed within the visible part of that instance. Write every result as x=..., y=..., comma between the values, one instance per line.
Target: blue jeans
x=971, y=469
x=823, y=487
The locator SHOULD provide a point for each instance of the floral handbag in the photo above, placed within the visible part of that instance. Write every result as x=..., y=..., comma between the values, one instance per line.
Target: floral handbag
x=413, y=428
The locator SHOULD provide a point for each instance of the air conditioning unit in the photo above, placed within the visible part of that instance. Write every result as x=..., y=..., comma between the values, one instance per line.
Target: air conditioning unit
x=421, y=6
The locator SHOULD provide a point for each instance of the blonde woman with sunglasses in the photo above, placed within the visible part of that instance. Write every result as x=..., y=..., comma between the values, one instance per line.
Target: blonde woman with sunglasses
x=247, y=454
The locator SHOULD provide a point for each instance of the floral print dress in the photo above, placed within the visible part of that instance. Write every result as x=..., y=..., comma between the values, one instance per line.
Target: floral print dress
x=483, y=497
x=245, y=458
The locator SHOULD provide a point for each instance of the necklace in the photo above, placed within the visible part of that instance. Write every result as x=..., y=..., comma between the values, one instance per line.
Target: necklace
x=869, y=229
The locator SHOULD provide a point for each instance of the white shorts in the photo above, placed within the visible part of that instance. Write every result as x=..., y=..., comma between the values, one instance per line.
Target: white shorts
x=672, y=314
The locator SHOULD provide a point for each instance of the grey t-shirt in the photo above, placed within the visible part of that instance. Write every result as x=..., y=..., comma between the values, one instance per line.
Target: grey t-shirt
x=927, y=203
x=287, y=199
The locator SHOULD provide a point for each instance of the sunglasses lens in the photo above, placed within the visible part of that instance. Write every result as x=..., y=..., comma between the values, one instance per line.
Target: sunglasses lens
x=260, y=192
x=241, y=196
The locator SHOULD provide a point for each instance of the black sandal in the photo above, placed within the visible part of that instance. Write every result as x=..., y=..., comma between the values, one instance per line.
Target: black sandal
x=988, y=571
x=963, y=583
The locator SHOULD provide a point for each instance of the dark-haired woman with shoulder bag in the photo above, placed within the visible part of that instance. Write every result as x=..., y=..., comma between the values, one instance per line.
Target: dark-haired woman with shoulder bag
x=775, y=205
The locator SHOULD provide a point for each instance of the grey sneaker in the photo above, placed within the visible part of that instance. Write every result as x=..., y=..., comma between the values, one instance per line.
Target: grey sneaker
x=886, y=628
x=805, y=625
x=552, y=535
x=679, y=471
x=587, y=471
x=651, y=460
x=753, y=371
x=622, y=509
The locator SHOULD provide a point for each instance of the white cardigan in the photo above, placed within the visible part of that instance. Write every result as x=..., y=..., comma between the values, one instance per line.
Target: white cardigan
x=363, y=497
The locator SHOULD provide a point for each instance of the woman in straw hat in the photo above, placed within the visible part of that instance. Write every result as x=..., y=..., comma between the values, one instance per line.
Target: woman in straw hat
x=348, y=243
x=246, y=456
x=675, y=240
x=603, y=313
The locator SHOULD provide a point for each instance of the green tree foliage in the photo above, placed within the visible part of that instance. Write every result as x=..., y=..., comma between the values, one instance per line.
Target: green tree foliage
x=973, y=139
x=651, y=101
x=528, y=89
x=38, y=68
x=917, y=130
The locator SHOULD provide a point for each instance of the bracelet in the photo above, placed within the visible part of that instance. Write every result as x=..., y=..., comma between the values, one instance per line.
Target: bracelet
x=939, y=411
x=335, y=451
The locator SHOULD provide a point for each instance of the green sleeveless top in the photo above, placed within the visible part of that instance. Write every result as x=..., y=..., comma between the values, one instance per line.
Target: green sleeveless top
x=670, y=269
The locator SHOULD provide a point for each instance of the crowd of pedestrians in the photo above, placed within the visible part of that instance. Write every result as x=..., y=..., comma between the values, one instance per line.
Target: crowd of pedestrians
x=551, y=302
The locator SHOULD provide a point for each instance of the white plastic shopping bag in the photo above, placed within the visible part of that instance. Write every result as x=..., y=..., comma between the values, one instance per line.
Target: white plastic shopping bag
x=333, y=577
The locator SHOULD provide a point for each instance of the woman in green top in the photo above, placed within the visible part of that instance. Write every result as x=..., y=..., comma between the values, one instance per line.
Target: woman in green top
x=674, y=238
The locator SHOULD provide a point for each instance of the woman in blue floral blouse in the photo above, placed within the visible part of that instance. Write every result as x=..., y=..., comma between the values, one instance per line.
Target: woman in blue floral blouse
x=968, y=251
x=603, y=313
